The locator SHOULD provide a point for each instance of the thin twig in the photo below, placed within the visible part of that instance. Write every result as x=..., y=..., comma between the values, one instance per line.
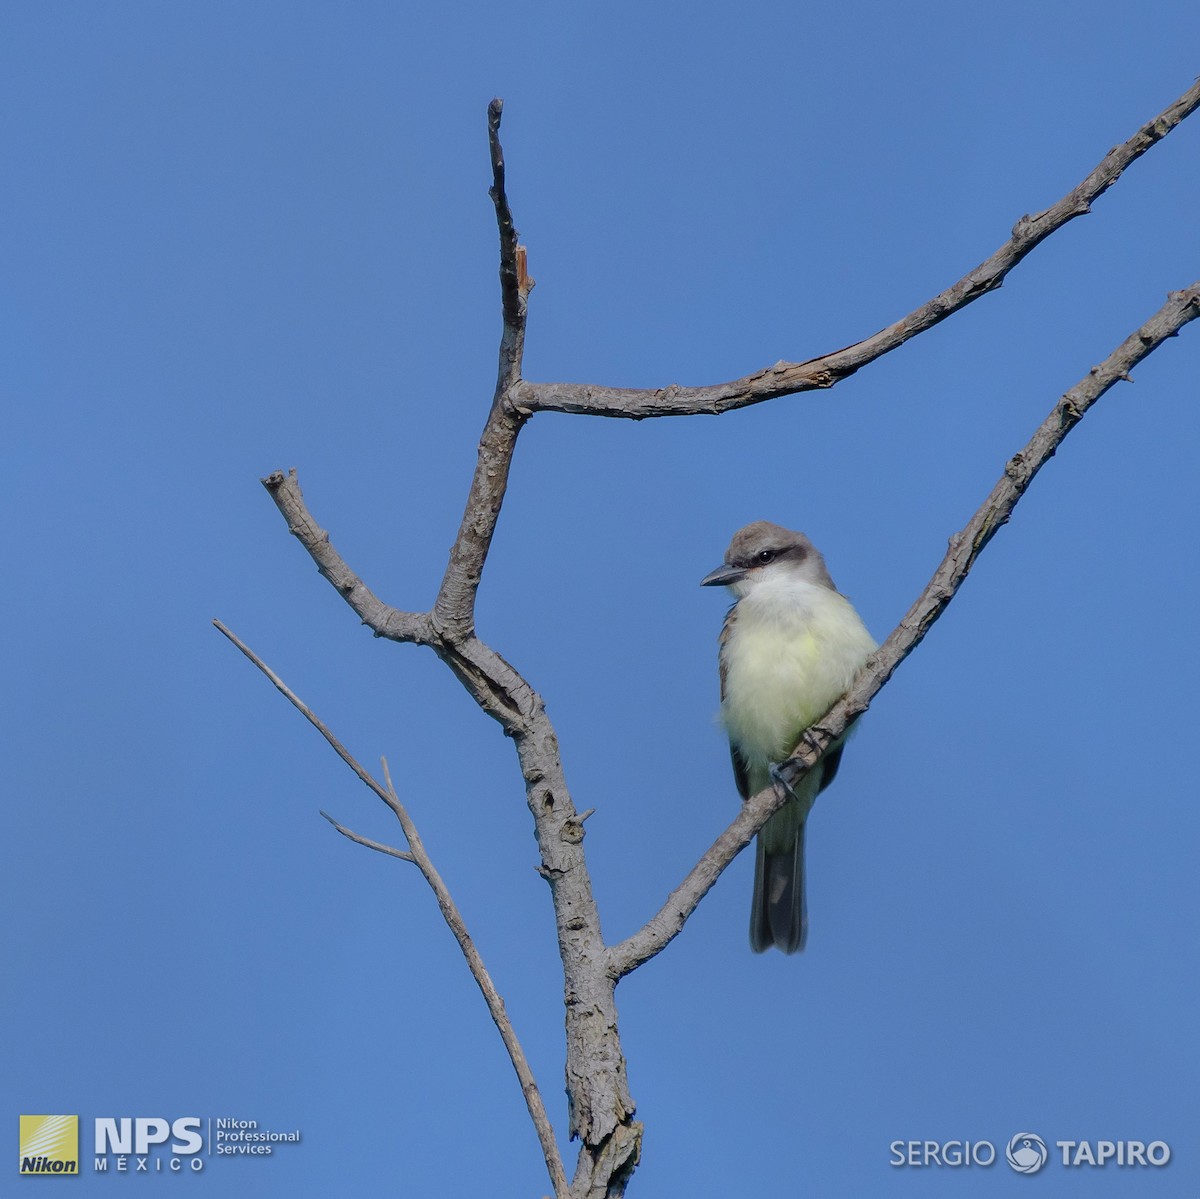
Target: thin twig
x=418, y=855
x=787, y=378
x=453, y=918
x=359, y=839
x=1180, y=308
x=308, y=714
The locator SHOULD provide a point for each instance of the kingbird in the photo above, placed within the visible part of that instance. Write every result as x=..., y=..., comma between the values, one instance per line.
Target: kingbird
x=790, y=648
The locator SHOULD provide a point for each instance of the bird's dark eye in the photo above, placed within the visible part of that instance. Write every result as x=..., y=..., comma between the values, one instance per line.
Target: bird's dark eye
x=765, y=556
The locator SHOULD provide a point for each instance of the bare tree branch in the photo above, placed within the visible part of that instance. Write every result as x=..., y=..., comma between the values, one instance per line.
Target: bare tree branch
x=495, y=685
x=454, y=611
x=453, y=918
x=382, y=619
x=308, y=714
x=601, y=1108
x=787, y=378
x=418, y=855
x=1180, y=308
x=359, y=839
x=514, y=282
x=600, y=1105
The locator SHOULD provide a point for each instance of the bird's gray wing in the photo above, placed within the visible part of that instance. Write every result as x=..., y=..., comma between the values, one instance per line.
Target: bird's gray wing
x=830, y=763
x=740, y=771
x=723, y=645
x=741, y=775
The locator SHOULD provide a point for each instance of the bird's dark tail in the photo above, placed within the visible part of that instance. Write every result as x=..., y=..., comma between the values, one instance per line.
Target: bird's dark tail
x=779, y=914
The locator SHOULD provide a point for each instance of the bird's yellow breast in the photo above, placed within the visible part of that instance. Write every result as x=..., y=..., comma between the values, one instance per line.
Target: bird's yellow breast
x=791, y=652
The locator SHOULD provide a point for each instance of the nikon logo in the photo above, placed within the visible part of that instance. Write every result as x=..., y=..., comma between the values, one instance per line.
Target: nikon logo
x=49, y=1145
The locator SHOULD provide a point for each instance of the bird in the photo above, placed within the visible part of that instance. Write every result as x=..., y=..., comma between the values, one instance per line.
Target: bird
x=790, y=647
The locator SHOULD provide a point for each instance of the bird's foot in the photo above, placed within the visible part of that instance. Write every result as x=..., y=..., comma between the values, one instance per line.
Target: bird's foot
x=782, y=786
x=802, y=798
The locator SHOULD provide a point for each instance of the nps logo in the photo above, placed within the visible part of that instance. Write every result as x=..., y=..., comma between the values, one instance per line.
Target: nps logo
x=49, y=1145
x=130, y=1144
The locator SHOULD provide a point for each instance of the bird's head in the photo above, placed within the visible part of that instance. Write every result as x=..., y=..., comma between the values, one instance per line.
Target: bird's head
x=764, y=551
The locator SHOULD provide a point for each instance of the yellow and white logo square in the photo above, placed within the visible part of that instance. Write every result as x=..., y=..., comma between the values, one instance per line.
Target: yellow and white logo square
x=49, y=1145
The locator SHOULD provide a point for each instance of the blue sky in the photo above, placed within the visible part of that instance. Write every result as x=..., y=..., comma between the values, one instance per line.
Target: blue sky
x=241, y=237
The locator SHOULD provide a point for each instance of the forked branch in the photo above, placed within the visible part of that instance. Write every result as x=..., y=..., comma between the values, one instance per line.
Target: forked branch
x=418, y=855
x=787, y=378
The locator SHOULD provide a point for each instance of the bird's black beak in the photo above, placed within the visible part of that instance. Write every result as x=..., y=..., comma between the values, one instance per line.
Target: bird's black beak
x=723, y=576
